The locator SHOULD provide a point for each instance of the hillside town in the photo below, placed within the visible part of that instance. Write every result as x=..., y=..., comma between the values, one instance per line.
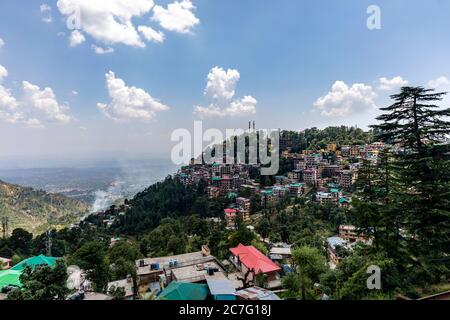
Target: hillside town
x=321, y=176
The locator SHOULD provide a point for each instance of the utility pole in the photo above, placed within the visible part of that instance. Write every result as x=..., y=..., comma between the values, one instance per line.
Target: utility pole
x=48, y=243
x=5, y=222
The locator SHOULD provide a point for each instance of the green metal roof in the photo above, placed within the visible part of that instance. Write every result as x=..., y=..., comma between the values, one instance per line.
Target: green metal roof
x=343, y=200
x=10, y=278
x=184, y=291
x=217, y=178
x=296, y=185
x=33, y=262
x=334, y=190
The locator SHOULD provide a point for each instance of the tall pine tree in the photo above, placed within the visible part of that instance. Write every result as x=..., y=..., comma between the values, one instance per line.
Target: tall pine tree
x=420, y=189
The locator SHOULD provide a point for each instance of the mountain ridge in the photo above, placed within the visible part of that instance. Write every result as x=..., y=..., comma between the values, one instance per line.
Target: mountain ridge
x=36, y=210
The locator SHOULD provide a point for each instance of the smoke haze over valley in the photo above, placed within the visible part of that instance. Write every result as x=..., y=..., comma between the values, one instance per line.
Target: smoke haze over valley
x=99, y=185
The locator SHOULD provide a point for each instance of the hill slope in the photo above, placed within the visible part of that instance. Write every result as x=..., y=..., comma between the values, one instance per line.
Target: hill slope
x=36, y=210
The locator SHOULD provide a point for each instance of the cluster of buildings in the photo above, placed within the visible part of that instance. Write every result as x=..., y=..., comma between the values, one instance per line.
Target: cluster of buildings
x=200, y=276
x=330, y=172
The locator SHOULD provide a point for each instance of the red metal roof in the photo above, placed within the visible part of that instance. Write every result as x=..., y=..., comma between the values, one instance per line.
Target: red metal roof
x=252, y=258
x=229, y=210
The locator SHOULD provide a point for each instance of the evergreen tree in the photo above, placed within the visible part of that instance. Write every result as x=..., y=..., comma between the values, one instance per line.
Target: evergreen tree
x=420, y=190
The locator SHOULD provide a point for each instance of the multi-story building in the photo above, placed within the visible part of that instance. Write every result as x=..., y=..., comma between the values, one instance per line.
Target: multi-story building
x=216, y=169
x=213, y=192
x=354, y=150
x=280, y=191
x=331, y=147
x=347, y=178
x=350, y=233
x=296, y=189
x=225, y=184
x=310, y=176
x=296, y=175
x=313, y=159
x=324, y=197
x=244, y=205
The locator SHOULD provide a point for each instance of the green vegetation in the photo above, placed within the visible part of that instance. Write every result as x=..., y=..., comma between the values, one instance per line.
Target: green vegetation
x=316, y=139
x=36, y=210
x=43, y=283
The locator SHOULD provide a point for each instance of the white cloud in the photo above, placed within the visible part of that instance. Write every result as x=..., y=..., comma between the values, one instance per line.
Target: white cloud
x=129, y=103
x=46, y=12
x=391, y=84
x=343, y=100
x=222, y=84
x=109, y=22
x=177, y=17
x=8, y=104
x=34, y=123
x=151, y=34
x=240, y=107
x=74, y=92
x=439, y=82
x=2, y=42
x=76, y=38
x=36, y=103
x=3, y=73
x=101, y=50
x=44, y=102
x=220, y=87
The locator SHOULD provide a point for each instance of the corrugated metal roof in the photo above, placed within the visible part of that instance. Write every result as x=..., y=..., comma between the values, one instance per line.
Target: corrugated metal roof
x=252, y=258
x=217, y=287
x=256, y=293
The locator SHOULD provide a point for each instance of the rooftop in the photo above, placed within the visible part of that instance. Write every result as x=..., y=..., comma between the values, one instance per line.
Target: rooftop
x=256, y=293
x=33, y=262
x=252, y=258
x=164, y=262
x=198, y=272
x=217, y=287
x=184, y=291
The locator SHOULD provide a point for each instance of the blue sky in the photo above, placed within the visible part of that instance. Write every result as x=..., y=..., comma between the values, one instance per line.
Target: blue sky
x=304, y=64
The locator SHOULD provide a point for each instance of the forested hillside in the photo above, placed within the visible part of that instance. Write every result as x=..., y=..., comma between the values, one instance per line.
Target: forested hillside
x=36, y=210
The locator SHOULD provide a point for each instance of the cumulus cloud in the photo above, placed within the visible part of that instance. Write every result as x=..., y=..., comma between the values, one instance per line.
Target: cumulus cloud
x=109, y=22
x=44, y=101
x=439, y=82
x=8, y=104
x=35, y=106
x=344, y=100
x=177, y=17
x=101, y=50
x=220, y=87
x=2, y=43
x=391, y=84
x=221, y=84
x=129, y=103
x=3, y=73
x=240, y=107
x=76, y=38
x=46, y=13
x=151, y=34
